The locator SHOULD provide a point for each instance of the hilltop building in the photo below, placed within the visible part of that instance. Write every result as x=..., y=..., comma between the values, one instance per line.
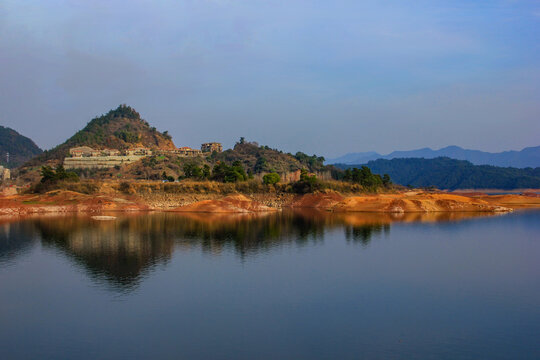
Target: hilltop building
x=84, y=157
x=211, y=147
x=82, y=151
x=140, y=151
x=5, y=174
x=110, y=152
x=187, y=151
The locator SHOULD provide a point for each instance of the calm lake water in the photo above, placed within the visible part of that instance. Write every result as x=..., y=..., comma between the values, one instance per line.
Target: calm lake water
x=280, y=286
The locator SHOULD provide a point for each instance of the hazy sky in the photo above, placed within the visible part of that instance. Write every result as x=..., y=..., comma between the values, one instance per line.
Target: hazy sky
x=325, y=77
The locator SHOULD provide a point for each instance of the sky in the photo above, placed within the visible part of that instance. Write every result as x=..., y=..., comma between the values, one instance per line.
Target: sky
x=323, y=77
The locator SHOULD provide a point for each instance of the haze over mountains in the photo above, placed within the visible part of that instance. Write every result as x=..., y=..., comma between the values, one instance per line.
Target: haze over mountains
x=528, y=157
x=446, y=173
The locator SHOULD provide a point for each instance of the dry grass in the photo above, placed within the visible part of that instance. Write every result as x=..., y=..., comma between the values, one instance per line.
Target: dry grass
x=244, y=187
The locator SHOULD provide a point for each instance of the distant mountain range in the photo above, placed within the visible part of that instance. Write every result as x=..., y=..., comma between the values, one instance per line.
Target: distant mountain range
x=528, y=157
x=446, y=173
x=19, y=147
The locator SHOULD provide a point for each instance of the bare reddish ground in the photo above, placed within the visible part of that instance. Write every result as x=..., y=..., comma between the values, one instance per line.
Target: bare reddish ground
x=230, y=204
x=528, y=200
x=397, y=203
x=319, y=200
x=60, y=201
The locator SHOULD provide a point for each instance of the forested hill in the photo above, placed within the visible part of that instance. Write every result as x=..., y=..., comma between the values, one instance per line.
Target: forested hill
x=253, y=158
x=446, y=173
x=19, y=147
x=121, y=128
x=260, y=159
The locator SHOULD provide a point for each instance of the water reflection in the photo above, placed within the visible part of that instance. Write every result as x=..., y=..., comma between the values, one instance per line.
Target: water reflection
x=15, y=240
x=121, y=252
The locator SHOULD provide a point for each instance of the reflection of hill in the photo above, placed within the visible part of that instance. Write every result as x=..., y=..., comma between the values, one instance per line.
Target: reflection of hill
x=118, y=251
x=15, y=239
x=122, y=251
x=362, y=234
x=245, y=234
x=363, y=218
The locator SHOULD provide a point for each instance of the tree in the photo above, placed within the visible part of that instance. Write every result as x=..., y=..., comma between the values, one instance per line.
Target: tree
x=47, y=174
x=237, y=167
x=307, y=183
x=206, y=171
x=365, y=177
x=348, y=175
x=271, y=178
x=223, y=172
x=386, y=180
x=193, y=171
x=313, y=162
x=52, y=176
x=50, y=179
x=261, y=164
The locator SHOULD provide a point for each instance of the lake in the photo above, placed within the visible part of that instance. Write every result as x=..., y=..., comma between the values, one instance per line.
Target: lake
x=292, y=285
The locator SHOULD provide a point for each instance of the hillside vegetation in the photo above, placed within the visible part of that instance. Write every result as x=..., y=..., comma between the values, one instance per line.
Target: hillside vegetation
x=446, y=173
x=259, y=159
x=249, y=159
x=19, y=147
x=121, y=128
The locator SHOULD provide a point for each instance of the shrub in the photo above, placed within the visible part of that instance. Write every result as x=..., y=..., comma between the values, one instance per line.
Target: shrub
x=306, y=184
x=271, y=178
x=126, y=188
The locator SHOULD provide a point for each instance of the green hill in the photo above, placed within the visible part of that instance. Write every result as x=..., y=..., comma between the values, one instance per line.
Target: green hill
x=120, y=128
x=19, y=147
x=446, y=173
x=259, y=159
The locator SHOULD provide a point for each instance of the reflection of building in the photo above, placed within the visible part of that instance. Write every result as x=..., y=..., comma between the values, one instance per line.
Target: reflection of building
x=211, y=147
x=4, y=173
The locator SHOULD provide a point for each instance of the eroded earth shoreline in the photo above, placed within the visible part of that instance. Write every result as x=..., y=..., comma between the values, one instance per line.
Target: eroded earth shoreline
x=62, y=201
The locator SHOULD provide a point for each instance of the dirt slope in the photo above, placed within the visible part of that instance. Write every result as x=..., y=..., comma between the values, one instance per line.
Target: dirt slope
x=230, y=204
x=61, y=201
x=397, y=203
x=526, y=200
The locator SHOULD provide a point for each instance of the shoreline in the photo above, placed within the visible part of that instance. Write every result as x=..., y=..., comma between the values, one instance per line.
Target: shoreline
x=63, y=201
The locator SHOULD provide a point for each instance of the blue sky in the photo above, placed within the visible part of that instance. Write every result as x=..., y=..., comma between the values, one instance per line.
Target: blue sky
x=325, y=77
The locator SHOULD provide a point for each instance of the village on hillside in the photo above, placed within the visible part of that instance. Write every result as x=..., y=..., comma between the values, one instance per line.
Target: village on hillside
x=85, y=157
